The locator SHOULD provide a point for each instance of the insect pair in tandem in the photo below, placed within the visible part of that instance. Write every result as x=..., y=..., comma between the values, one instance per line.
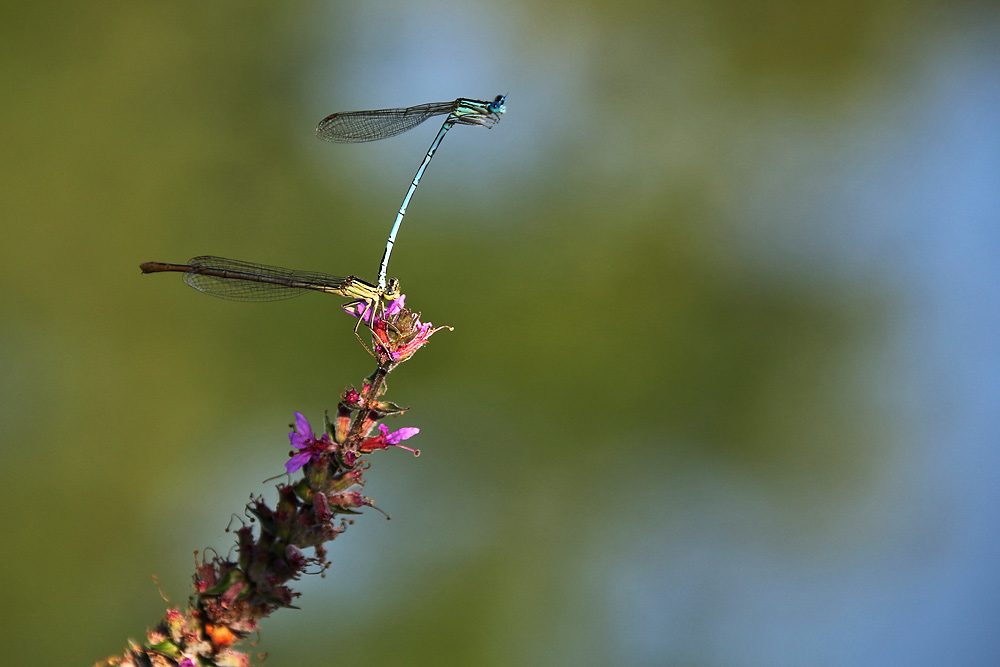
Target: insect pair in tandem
x=249, y=281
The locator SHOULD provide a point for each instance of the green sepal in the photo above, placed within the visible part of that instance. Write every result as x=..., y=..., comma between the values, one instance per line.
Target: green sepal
x=337, y=509
x=304, y=491
x=387, y=409
x=232, y=576
x=168, y=648
x=266, y=522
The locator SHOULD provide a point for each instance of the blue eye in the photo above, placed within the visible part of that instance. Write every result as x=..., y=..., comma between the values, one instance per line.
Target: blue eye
x=497, y=105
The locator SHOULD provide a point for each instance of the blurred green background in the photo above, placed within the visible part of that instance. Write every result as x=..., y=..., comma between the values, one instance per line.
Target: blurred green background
x=723, y=382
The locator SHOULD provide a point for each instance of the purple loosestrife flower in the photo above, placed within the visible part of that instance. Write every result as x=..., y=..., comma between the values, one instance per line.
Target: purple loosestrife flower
x=397, y=331
x=362, y=309
x=310, y=447
x=385, y=439
x=402, y=347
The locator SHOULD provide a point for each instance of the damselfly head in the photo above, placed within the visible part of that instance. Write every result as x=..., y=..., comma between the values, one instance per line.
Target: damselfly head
x=497, y=105
x=392, y=290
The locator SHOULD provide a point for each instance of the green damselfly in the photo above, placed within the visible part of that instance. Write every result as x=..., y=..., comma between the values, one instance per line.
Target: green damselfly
x=248, y=281
x=360, y=126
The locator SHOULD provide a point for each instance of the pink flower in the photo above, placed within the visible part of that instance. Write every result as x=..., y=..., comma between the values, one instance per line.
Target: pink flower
x=363, y=309
x=385, y=439
x=310, y=447
x=406, y=345
x=398, y=332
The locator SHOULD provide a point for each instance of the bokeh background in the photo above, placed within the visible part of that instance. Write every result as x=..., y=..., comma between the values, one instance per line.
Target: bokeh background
x=723, y=386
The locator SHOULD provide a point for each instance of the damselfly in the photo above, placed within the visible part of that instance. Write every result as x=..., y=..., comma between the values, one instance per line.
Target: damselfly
x=359, y=126
x=248, y=281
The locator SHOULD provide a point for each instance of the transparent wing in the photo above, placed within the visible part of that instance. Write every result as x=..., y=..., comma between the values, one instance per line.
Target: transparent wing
x=248, y=281
x=359, y=126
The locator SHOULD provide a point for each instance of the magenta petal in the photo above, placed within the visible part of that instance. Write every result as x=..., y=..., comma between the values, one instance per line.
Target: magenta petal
x=298, y=440
x=396, y=305
x=302, y=425
x=297, y=461
x=402, y=434
x=360, y=309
